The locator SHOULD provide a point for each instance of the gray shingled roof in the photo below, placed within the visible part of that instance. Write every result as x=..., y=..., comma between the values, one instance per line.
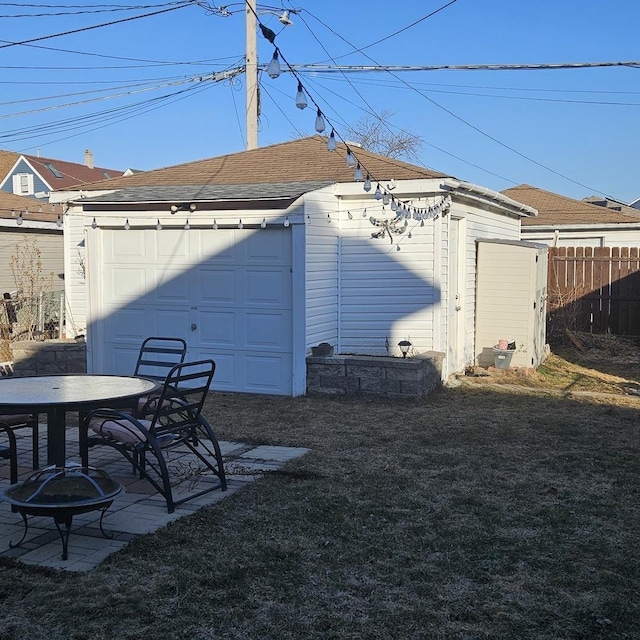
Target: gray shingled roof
x=209, y=193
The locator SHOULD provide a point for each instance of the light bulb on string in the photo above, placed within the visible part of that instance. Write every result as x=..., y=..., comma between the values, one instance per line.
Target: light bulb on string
x=240, y=225
x=59, y=221
x=94, y=224
x=357, y=176
x=20, y=219
x=263, y=224
x=364, y=213
x=394, y=204
x=367, y=183
x=378, y=194
x=158, y=225
x=127, y=226
x=320, y=126
x=286, y=221
x=13, y=213
x=331, y=142
x=349, y=215
x=351, y=159
x=385, y=198
x=328, y=218
x=301, y=98
x=214, y=226
x=187, y=226
x=273, y=68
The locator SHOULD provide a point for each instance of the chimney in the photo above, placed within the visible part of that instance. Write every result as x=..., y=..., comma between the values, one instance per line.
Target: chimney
x=88, y=158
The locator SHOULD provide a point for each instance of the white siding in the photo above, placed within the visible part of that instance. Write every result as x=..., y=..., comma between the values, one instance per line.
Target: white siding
x=75, y=265
x=321, y=265
x=386, y=295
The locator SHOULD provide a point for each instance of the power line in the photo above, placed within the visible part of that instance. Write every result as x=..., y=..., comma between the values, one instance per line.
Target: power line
x=186, y=3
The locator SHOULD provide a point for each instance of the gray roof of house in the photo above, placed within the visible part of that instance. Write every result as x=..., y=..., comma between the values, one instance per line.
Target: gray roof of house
x=209, y=193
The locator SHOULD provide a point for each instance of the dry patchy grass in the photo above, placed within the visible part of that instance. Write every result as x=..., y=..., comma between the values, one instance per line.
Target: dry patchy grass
x=475, y=513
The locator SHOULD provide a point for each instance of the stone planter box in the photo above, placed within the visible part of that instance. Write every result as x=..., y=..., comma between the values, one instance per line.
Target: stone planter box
x=392, y=377
x=51, y=357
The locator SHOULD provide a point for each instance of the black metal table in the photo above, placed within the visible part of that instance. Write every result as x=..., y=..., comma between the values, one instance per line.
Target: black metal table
x=56, y=395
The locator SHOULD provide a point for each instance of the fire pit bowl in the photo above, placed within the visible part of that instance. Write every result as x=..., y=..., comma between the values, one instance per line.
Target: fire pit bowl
x=62, y=492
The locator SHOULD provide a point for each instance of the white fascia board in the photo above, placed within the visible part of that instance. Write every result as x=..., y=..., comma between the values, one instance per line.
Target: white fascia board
x=400, y=188
x=36, y=172
x=29, y=224
x=484, y=194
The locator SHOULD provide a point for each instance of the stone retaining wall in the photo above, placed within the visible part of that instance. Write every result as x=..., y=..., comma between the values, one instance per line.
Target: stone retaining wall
x=393, y=377
x=34, y=358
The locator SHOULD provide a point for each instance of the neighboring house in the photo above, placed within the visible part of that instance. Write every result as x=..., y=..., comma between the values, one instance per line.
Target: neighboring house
x=257, y=256
x=565, y=222
x=36, y=177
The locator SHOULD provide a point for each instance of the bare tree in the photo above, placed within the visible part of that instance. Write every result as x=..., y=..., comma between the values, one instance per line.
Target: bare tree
x=374, y=133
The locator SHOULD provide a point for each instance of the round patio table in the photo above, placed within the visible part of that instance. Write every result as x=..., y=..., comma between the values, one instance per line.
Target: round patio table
x=56, y=395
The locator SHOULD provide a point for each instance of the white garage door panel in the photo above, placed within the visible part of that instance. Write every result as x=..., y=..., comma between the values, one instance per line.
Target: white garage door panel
x=266, y=374
x=270, y=331
x=216, y=286
x=125, y=284
x=272, y=247
x=268, y=287
x=130, y=247
x=227, y=292
x=217, y=329
x=171, y=285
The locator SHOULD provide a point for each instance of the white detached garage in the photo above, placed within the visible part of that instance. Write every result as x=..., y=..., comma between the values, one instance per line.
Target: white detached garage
x=256, y=257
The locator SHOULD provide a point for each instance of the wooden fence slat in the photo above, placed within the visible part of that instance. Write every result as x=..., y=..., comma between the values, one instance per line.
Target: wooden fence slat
x=594, y=289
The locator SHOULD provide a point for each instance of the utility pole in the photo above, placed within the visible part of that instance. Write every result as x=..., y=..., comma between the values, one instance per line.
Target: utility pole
x=251, y=75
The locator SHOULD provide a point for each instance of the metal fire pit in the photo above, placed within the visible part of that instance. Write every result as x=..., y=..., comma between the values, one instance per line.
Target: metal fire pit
x=62, y=492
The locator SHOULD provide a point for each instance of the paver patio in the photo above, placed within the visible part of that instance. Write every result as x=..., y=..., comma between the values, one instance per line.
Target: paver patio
x=137, y=511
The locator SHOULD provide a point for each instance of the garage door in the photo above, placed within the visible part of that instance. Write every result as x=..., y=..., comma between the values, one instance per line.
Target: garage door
x=227, y=292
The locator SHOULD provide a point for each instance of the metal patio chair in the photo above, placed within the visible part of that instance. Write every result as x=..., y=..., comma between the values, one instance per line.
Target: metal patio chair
x=173, y=444
x=9, y=451
x=157, y=356
x=25, y=421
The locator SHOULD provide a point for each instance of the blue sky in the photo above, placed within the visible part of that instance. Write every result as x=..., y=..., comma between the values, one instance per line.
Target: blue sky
x=573, y=131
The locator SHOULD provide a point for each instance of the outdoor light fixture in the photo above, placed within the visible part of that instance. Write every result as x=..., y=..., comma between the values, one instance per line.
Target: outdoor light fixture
x=158, y=225
x=351, y=159
x=59, y=221
x=127, y=226
x=94, y=224
x=320, y=126
x=284, y=19
x=301, y=98
x=331, y=142
x=20, y=219
x=273, y=68
x=367, y=183
x=357, y=175
x=404, y=345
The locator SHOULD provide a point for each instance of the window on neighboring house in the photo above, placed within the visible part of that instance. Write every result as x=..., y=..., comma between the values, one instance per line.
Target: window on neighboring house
x=23, y=184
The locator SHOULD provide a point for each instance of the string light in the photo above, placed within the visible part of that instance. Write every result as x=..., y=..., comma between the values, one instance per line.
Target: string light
x=286, y=221
x=273, y=68
x=59, y=221
x=158, y=225
x=127, y=226
x=187, y=226
x=263, y=224
x=367, y=184
x=240, y=225
x=378, y=194
x=20, y=219
x=94, y=224
x=214, y=226
x=331, y=142
x=320, y=126
x=357, y=176
x=301, y=98
x=351, y=159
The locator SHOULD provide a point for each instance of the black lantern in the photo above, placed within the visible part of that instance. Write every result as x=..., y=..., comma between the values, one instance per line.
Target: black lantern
x=404, y=345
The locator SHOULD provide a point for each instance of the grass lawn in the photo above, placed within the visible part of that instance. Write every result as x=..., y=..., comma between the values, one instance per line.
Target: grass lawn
x=478, y=512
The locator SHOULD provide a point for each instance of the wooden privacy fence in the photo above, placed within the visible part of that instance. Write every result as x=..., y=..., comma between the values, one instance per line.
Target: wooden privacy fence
x=594, y=289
